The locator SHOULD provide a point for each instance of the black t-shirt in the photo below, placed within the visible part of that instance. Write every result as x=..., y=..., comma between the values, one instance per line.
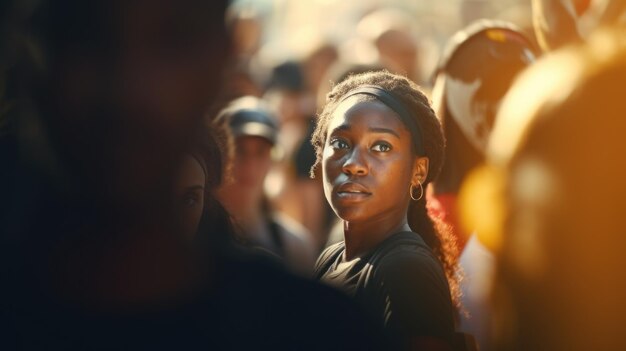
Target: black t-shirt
x=400, y=284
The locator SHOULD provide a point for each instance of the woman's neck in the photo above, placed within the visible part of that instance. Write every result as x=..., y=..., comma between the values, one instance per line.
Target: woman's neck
x=361, y=238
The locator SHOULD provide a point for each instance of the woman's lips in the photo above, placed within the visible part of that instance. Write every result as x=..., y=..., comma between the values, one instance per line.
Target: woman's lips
x=352, y=191
x=353, y=196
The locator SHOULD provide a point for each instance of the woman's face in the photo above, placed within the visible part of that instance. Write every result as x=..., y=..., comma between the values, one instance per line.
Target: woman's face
x=368, y=162
x=189, y=195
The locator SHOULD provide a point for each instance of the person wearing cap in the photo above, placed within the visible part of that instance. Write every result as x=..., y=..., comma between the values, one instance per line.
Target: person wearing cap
x=477, y=68
x=254, y=132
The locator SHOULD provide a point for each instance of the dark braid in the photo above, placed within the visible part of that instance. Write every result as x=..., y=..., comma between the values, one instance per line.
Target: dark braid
x=432, y=230
x=438, y=236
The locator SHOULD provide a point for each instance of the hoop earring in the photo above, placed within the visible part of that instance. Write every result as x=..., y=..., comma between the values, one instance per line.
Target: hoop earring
x=411, y=191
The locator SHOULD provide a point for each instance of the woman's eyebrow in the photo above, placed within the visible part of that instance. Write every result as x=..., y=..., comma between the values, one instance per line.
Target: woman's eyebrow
x=346, y=127
x=385, y=130
x=341, y=128
x=194, y=187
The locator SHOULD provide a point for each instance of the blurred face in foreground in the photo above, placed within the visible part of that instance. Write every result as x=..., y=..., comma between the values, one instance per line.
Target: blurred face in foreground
x=128, y=90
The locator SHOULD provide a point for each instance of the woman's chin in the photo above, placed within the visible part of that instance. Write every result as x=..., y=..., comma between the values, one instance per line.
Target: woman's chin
x=350, y=215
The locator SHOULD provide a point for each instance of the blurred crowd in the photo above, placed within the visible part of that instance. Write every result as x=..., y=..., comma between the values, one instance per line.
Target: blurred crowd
x=160, y=189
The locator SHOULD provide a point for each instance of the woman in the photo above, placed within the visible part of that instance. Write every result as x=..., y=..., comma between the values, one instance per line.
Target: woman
x=379, y=144
x=200, y=173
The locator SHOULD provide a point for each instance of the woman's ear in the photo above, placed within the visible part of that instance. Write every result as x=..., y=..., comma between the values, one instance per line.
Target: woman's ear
x=420, y=170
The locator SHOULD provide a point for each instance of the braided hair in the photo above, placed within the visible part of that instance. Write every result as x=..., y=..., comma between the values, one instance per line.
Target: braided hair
x=433, y=231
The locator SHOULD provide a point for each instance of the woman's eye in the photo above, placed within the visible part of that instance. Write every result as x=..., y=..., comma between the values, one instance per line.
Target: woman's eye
x=190, y=201
x=382, y=147
x=339, y=144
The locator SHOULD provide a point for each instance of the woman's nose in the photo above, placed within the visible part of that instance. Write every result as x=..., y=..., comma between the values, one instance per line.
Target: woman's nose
x=355, y=163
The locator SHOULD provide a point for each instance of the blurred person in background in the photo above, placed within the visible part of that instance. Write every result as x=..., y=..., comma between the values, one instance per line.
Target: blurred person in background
x=317, y=63
x=555, y=188
x=286, y=95
x=391, y=32
x=245, y=23
x=555, y=22
x=478, y=66
x=561, y=22
x=476, y=70
x=316, y=214
x=254, y=132
x=289, y=188
x=379, y=144
x=240, y=81
x=202, y=170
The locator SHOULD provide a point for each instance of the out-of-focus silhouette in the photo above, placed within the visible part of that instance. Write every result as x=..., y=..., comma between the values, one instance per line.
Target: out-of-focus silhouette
x=555, y=187
x=101, y=104
x=477, y=68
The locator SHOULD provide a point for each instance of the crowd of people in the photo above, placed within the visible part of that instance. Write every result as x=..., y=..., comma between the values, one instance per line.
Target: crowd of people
x=161, y=190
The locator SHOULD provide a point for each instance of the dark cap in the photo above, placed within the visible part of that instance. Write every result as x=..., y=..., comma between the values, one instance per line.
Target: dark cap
x=248, y=116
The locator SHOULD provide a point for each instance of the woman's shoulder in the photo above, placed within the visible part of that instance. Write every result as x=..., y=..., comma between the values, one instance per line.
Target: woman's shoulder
x=403, y=246
x=413, y=285
x=407, y=255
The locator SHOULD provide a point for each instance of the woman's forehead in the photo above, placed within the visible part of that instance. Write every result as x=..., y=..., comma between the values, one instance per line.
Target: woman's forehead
x=364, y=110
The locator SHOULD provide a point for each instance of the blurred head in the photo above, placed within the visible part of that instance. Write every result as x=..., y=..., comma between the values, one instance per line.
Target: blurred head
x=286, y=91
x=317, y=63
x=398, y=50
x=254, y=132
x=559, y=208
x=477, y=68
x=391, y=31
x=119, y=88
x=562, y=22
x=245, y=23
x=556, y=22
